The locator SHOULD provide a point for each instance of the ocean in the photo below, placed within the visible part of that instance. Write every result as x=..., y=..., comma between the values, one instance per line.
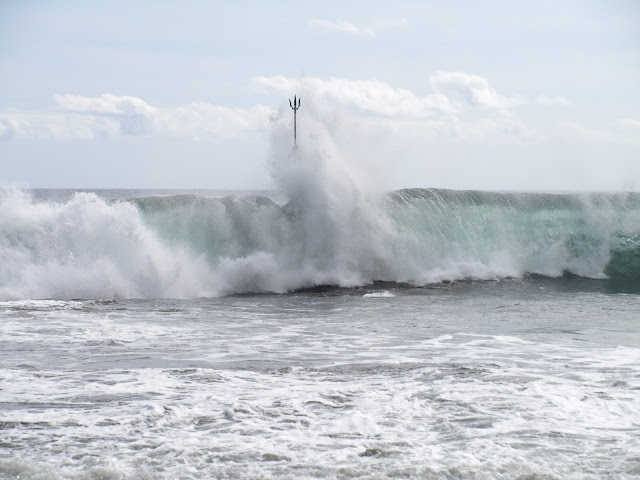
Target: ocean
x=319, y=333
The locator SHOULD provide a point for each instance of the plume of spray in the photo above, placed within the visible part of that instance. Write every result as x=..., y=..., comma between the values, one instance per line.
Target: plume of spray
x=339, y=227
x=332, y=231
x=88, y=248
x=339, y=234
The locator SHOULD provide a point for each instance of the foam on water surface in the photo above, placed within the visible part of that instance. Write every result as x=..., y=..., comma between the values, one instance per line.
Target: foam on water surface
x=464, y=384
x=380, y=294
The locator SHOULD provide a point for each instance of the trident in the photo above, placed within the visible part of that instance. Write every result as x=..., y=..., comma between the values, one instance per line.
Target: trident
x=295, y=108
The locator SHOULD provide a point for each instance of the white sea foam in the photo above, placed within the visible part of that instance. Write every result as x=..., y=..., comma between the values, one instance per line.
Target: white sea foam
x=475, y=410
x=482, y=381
x=380, y=294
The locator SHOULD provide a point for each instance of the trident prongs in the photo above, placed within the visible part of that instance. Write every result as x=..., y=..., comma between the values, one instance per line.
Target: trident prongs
x=294, y=106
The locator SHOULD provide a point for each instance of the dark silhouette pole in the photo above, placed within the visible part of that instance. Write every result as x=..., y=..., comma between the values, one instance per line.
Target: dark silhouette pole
x=295, y=108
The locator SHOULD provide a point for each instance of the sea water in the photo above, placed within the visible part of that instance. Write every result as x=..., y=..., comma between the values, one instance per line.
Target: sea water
x=328, y=329
x=165, y=335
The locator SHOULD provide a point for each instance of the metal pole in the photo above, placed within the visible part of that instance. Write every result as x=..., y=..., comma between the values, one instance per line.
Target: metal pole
x=294, y=106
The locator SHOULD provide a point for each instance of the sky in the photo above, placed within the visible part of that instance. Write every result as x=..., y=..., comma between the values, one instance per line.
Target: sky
x=488, y=95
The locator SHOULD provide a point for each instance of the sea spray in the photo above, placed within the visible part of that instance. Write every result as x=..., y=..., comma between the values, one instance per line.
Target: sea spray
x=88, y=248
x=336, y=227
x=340, y=231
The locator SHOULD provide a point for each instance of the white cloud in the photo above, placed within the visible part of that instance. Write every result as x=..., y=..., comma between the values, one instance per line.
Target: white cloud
x=452, y=92
x=630, y=123
x=56, y=126
x=370, y=96
x=371, y=29
x=80, y=117
x=585, y=134
x=544, y=100
x=455, y=106
x=133, y=115
x=340, y=25
x=105, y=104
x=471, y=90
x=458, y=106
x=200, y=120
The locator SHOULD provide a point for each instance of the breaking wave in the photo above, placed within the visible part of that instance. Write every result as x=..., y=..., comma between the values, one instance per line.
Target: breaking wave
x=338, y=228
x=191, y=246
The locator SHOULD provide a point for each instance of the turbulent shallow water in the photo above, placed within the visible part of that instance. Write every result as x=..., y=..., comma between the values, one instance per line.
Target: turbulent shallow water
x=529, y=378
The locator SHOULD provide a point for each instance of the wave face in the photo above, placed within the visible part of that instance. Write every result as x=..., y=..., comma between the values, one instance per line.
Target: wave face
x=484, y=235
x=193, y=246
